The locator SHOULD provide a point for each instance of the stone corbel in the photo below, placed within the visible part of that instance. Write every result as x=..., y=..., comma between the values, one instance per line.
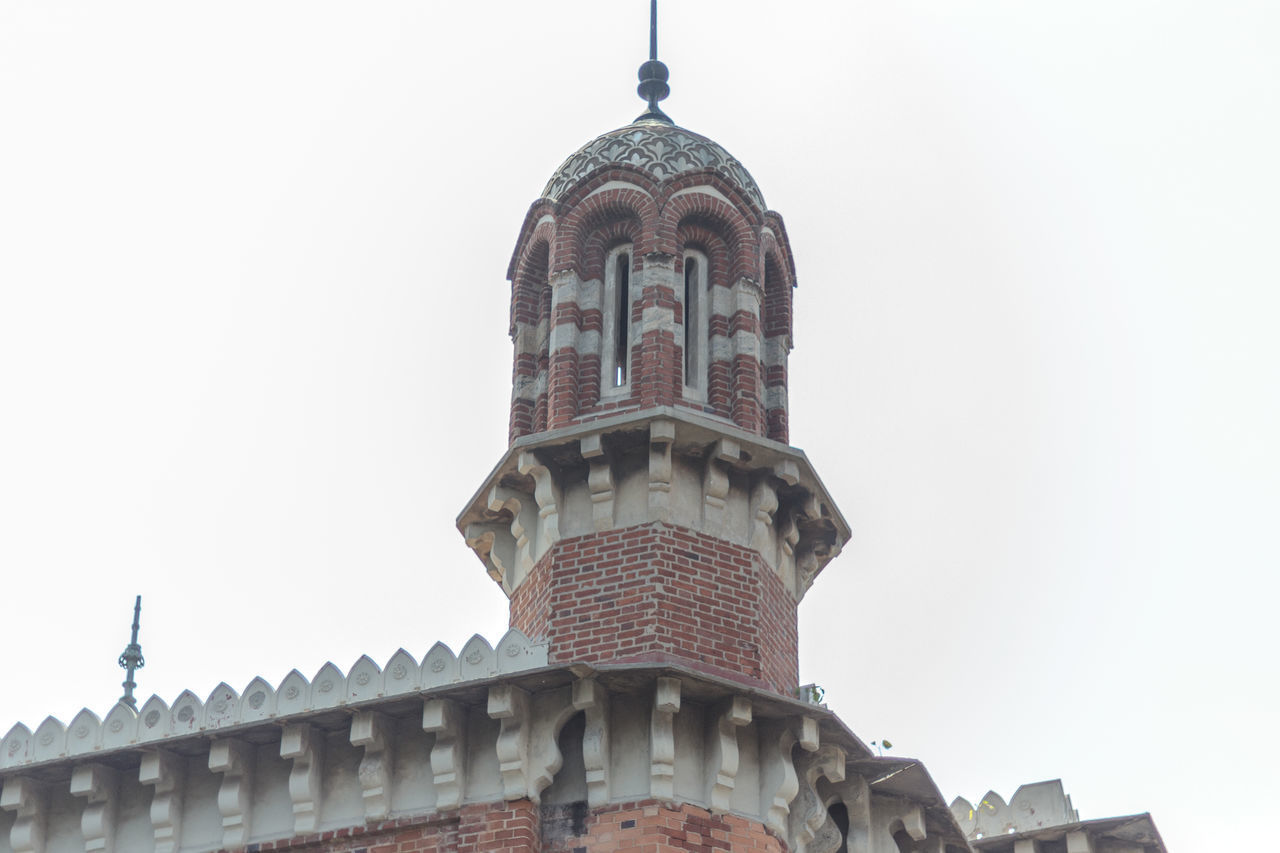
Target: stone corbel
x=1079, y=842
x=515, y=553
x=662, y=768
x=376, y=733
x=662, y=435
x=234, y=760
x=304, y=746
x=494, y=545
x=809, y=816
x=167, y=773
x=599, y=481
x=100, y=785
x=30, y=800
x=778, y=781
x=807, y=734
x=764, y=503
x=590, y=697
x=715, y=484
x=547, y=496
x=510, y=705
x=788, y=534
x=448, y=721
x=723, y=752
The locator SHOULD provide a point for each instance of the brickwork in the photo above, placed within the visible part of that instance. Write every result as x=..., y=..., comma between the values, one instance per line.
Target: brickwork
x=660, y=828
x=512, y=827
x=744, y=247
x=653, y=593
x=520, y=827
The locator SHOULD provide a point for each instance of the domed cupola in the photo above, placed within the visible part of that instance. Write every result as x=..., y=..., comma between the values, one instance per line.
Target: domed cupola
x=657, y=149
x=651, y=320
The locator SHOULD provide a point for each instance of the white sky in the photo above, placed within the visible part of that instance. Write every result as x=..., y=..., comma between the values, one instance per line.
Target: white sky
x=253, y=351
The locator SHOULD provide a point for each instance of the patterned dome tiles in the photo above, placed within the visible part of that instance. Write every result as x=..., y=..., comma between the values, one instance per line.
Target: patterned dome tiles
x=659, y=149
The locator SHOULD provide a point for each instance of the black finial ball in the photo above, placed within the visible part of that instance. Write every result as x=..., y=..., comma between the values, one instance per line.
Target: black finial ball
x=653, y=81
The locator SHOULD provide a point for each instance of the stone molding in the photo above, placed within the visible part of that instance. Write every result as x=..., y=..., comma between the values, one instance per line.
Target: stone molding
x=224, y=710
x=658, y=465
x=665, y=735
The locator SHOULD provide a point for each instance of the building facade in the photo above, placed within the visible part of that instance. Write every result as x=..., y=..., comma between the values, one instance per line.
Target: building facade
x=655, y=532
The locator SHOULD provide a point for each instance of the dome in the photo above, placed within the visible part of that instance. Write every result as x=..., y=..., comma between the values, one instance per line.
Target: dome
x=656, y=147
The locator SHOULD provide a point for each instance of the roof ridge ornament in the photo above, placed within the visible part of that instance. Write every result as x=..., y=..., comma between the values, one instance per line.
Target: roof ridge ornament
x=131, y=659
x=653, y=74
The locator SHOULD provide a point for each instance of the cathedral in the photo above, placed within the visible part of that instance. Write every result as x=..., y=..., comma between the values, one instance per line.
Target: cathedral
x=655, y=532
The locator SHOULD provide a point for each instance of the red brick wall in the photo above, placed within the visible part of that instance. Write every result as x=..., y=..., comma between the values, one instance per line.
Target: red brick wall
x=518, y=827
x=658, y=593
x=654, y=828
x=512, y=827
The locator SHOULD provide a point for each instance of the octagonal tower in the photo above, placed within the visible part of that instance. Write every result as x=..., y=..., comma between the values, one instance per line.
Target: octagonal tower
x=649, y=508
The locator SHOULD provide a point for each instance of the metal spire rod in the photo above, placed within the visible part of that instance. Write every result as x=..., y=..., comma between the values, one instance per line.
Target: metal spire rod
x=131, y=659
x=653, y=74
x=653, y=30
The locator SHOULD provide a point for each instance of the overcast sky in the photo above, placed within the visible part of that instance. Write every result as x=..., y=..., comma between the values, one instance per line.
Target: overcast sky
x=254, y=353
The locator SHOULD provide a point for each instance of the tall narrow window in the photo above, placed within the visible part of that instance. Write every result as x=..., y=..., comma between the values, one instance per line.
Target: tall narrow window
x=696, y=313
x=615, y=336
x=622, y=304
x=690, y=320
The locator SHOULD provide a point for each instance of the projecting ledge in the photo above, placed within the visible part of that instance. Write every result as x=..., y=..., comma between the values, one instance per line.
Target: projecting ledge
x=660, y=465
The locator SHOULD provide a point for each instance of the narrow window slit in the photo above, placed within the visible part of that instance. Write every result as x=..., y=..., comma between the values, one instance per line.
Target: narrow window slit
x=690, y=321
x=623, y=307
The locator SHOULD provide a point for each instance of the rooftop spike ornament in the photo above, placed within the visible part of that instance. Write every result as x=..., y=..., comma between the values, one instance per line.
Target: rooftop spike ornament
x=653, y=74
x=131, y=659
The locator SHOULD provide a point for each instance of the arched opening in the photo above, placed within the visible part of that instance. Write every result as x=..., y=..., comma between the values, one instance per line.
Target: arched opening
x=569, y=785
x=564, y=802
x=839, y=814
x=696, y=315
x=616, y=348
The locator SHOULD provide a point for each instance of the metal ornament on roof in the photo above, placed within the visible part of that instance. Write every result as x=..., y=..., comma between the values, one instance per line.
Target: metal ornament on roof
x=131, y=659
x=654, y=74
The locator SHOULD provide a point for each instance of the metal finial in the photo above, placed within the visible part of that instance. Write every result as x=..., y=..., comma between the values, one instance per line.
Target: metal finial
x=653, y=74
x=131, y=660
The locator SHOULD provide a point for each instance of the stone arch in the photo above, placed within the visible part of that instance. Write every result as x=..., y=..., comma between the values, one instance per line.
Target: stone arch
x=568, y=783
x=530, y=333
x=714, y=213
x=601, y=220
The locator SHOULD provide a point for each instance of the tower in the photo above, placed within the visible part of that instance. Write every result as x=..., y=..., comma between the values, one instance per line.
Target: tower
x=649, y=508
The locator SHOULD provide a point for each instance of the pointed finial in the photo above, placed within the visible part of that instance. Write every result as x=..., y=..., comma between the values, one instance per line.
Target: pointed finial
x=131, y=660
x=653, y=74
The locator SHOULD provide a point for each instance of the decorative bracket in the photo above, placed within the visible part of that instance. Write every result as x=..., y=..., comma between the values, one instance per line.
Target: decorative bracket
x=809, y=817
x=735, y=713
x=510, y=705
x=167, y=773
x=662, y=434
x=662, y=768
x=234, y=760
x=715, y=484
x=599, y=481
x=545, y=493
x=304, y=746
x=100, y=785
x=590, y=697
x=30, y=799
x=376, y=733
x=764, y=503
x=448, y=721
x=778, y=781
